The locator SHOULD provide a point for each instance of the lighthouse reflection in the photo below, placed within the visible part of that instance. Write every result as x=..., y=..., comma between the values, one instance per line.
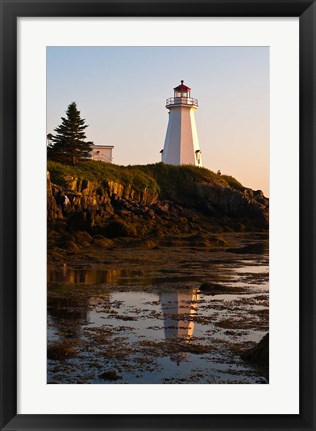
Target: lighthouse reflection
x=179, y=309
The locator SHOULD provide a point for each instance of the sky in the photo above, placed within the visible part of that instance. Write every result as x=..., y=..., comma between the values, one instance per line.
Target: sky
x=121, y=93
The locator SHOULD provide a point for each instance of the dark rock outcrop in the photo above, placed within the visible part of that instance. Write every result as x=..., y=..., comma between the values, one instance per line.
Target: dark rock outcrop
x=259, y=354
x=111, y=209
x=217, y=200
x=84, y=203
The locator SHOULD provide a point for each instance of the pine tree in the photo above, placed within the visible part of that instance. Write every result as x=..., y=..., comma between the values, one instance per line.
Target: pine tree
x=68, y=145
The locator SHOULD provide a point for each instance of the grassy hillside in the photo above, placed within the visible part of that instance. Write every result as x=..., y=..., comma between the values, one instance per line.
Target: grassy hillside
x=167, y=180
x=96, y=171
x=182, y=177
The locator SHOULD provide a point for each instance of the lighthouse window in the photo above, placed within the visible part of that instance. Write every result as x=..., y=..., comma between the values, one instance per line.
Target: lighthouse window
x=198, y=156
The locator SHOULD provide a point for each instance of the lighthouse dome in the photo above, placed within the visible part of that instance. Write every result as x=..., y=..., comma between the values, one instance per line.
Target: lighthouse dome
x=182, y=88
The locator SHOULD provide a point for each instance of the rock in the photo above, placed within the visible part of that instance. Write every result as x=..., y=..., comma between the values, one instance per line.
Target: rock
x=54, y=211
x=256, y=248
x=151, y=244
x=234, y=203
x=115, y=189
x=259, y=354
x=71, y=246
x=119, y=228
x=217, y=242
x=82, y=238
x=211, y=288
x=101, y=241
x=60, y=352
x=110, y=375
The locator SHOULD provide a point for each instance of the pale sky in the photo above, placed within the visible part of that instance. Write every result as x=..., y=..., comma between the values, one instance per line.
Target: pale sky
x=121, y=92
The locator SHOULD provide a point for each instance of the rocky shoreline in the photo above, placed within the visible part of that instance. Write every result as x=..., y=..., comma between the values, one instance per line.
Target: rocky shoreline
x=133, y=241
x=83, y=213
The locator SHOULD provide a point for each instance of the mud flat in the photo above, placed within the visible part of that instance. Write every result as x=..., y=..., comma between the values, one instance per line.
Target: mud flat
x=182, y=310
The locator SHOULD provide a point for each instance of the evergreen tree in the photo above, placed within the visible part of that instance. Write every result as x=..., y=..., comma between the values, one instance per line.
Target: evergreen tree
x=68, y=145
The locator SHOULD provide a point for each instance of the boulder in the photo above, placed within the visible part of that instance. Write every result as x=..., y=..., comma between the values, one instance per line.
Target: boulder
x=259, y=354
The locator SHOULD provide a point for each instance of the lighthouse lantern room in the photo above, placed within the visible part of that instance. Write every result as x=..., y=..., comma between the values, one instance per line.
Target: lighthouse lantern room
x=181, y=144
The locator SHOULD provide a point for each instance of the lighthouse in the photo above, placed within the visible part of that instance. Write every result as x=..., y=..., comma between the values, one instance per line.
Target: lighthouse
x=181, y=144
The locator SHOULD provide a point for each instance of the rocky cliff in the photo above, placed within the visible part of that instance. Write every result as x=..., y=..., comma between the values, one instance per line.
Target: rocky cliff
x=177, y=199
x=88, y=204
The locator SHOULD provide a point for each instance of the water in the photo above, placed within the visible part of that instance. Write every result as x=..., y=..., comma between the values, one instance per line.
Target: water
x=150, y=323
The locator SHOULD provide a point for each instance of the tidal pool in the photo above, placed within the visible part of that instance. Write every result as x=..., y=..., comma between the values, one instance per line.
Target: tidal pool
x=142, y=318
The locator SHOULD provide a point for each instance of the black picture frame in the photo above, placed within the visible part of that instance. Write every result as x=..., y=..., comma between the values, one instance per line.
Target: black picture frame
x=10, y=11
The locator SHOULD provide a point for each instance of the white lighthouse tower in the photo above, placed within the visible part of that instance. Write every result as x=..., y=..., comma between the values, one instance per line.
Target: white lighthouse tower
x=181, y=144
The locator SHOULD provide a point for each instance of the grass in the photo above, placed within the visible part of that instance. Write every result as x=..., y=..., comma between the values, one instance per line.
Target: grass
x=167, y=180
x=96, y=171
x=178, y=180
x=233, y=183
x=186, y=175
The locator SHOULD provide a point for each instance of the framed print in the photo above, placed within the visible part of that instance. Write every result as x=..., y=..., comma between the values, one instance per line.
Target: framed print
x=157, y=203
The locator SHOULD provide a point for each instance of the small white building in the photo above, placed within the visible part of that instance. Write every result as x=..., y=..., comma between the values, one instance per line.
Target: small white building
x=181, y=144
x=102, y=153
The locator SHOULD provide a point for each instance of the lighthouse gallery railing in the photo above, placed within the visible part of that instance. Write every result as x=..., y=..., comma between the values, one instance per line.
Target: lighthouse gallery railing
x=182, y=101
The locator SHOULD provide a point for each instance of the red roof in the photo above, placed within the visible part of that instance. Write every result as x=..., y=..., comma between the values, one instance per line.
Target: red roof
x=182, y=87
